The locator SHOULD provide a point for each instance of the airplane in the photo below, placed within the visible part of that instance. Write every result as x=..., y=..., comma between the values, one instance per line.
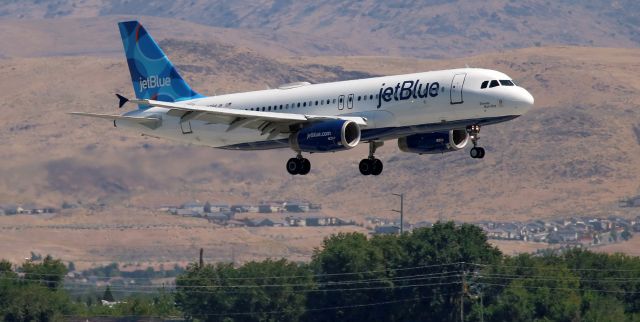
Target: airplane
x=427, y=113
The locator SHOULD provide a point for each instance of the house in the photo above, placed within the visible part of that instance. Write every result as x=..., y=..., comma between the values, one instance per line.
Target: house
x=565, y=235
x=219, y=208
x=387, y=229
x=240, y=208
x=266, y=222
x=217, y=217
x=297, y=207
x=193, y=206
x=187, y=213
x=297, y=221
x=265, y=209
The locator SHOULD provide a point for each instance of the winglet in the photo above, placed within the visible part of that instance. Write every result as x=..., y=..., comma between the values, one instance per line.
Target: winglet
x=123, y=100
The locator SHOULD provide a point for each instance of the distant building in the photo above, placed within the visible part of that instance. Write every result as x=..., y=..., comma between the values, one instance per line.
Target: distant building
x=266, y=222
x=386, y=230
x=193, y=206
x=297, y=207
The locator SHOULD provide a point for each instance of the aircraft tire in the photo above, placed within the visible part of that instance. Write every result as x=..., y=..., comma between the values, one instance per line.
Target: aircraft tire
x=293, y=166
x=377, y=167
x=365, y=167
x=305, y=167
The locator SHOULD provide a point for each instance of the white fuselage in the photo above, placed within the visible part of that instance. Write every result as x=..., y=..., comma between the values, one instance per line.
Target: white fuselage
x=393, y=106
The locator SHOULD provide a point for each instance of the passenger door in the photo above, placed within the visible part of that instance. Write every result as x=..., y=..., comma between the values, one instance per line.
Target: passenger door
x=457, y=83
x=341, y=102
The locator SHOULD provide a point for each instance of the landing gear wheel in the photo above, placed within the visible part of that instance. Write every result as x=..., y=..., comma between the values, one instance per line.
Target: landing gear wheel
x=477, y=153
x=293, y=166
x=305, y=167
x=365, y=167
x=376, y=168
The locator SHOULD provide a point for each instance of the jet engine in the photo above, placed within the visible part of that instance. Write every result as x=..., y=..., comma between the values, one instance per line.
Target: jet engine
x=432, y=143
x=326, y=136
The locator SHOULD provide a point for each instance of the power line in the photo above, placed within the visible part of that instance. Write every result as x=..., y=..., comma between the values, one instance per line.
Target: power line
x=555, y=268
x=401, y=269
x=302, y=311
x=349, y=282
x=560, y=288
x=393, y=287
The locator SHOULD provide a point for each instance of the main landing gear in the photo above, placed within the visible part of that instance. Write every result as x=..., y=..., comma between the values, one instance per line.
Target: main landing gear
x=474, y=132
x=371, y=165
x=298, y=165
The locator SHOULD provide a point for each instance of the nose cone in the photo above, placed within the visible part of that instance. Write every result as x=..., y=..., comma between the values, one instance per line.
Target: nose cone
x=523, y=100
x=527, y=99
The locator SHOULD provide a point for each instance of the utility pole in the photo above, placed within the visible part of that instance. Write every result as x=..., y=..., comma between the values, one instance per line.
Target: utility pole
x=463, y=291
x=401, y=211
x=481, y=307
x=201, y=257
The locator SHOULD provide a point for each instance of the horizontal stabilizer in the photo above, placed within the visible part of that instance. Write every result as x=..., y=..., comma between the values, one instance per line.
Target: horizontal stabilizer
x=150, y=122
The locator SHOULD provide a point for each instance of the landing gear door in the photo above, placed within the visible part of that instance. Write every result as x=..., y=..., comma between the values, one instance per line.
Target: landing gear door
x=456, y=88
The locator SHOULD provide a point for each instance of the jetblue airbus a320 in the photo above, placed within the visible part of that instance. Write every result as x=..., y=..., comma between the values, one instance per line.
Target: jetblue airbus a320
x=430, y=112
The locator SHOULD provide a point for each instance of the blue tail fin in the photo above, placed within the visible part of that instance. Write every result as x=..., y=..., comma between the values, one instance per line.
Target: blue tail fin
x=152, y=74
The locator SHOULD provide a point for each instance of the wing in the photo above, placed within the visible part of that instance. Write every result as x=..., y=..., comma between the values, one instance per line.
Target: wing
x=270, y=123
x=150, y=122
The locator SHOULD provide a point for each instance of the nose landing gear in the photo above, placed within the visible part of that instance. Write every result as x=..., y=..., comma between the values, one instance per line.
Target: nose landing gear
x=298, y=165
x=371, y=165
x=474, y=133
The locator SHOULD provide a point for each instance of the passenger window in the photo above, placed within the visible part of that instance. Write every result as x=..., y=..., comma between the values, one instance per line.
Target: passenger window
x=494, y=83
x=269, y=109
x=484, y=84
x=506, y=82
x=359, y=97
x=316, y=103
x=263, y=108
x=304, y=104
x=298, y=104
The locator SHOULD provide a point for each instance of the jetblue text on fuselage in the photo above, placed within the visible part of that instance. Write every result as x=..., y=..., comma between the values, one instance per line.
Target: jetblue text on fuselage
x=406, y=90
x=154, y=81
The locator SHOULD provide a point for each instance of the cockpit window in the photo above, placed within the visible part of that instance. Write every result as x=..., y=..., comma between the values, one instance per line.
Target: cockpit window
x=506, y=82
x=484, y=84
x=494, y=83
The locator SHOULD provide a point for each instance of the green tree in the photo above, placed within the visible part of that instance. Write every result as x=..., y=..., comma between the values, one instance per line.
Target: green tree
x=344, y=264
x=108, y=296
x=527, y=288
x=37, y=296
x=50, y=272
x=257, y=291
x=626, y=234
x=603, y=308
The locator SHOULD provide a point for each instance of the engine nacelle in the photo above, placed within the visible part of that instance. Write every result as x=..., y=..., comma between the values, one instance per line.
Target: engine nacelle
x=327, y=136
x=431, y=143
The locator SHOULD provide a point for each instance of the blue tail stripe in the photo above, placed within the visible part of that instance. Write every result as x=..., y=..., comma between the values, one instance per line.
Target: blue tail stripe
x=152, y=74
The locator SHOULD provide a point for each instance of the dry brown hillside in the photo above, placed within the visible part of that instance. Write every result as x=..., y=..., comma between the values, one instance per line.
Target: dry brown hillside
x=410, y=28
